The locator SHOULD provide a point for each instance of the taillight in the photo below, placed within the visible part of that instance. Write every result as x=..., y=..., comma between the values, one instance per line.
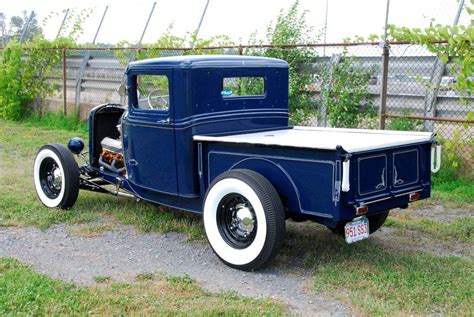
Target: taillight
x=414, y=196
x=362, y=210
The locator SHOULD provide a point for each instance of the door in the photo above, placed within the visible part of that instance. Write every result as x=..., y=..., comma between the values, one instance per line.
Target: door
x=149, y=141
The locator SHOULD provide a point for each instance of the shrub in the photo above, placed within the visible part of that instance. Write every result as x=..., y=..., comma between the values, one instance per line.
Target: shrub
x=24, y=70
x=404, y=124
x=346, y=92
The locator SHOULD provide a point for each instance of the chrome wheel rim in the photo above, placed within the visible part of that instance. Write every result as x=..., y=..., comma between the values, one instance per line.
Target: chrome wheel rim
x=236, y=221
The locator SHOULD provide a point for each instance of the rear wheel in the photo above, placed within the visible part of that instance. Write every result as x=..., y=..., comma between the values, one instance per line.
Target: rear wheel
x=244, y=219
x=375, y=222
x=56, y=176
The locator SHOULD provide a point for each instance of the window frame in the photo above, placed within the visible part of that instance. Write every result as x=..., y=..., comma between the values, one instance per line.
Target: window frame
x=262, y=96
x=134, y=92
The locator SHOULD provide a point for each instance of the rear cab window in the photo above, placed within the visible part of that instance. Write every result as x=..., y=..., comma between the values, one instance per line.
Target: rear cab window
x=243, y=87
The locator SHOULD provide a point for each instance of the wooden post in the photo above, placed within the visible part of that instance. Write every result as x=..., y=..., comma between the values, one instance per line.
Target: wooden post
x=64, y=83
x=383, y=90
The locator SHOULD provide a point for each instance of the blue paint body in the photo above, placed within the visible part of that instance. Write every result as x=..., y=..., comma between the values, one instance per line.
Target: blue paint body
x=166, y=166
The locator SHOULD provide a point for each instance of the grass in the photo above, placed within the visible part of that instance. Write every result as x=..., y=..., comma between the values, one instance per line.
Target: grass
x=460, y=229
x=145, y=277
x=20, y=206
x=57, y=120
x=379, y=282
x=102, y=279
x=25, y=292
x=92, y=230
x=379, y=278
x=458, y=192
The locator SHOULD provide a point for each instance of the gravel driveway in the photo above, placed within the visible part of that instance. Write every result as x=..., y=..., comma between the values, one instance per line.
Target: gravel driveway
x=123, y=253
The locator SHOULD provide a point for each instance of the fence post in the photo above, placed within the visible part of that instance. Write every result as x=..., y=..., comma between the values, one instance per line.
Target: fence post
x=64, y=83
x=383, y=89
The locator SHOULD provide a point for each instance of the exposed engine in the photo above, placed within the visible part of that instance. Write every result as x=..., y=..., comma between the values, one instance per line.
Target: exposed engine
x=111, y=157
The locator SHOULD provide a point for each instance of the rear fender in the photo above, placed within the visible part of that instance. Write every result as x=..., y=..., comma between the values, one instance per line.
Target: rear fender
x=279, y=178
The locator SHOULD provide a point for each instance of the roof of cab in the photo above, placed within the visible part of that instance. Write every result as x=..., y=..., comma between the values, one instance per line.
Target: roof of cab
x=207, y=61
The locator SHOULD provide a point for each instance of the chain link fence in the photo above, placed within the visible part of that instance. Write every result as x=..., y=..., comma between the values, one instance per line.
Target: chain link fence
x=419, y=92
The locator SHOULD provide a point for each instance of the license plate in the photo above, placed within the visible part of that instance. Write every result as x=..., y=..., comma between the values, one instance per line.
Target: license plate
x=357, y=230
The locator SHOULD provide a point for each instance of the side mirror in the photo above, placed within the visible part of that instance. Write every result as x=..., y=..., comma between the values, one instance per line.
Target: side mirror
x=122, y=90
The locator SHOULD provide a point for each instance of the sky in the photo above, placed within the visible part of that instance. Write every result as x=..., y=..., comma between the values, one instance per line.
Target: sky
x=125, y=20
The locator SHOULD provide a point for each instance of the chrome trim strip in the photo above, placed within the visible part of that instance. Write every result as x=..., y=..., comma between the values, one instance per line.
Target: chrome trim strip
x=409, y=193
x=172, y=126
x=363, y=203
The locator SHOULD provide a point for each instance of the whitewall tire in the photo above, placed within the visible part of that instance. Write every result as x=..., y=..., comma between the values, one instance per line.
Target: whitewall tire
x=244, y=219
x=56, y=176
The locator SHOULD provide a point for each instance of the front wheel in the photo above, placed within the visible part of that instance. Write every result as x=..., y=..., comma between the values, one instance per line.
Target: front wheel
x=56, y=176
x=244, y=219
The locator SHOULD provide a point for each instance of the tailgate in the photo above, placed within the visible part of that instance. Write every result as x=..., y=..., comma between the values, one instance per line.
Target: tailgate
x=390, y=173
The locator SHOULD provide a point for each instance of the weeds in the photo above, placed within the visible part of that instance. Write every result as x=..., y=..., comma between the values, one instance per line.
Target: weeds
x=25, y=292
x=57, y=120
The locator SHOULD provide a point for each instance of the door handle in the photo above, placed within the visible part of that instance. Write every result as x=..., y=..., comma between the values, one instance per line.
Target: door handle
x=164, y=121
x=133, y=162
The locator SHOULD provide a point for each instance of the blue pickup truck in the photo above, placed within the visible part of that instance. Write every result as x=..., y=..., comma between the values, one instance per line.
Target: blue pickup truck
x=210, y=135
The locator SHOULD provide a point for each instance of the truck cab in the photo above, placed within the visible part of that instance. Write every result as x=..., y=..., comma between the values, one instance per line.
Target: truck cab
x=210, y=135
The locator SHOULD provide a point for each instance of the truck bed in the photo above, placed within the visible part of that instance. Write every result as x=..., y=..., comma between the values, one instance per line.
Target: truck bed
x=351, y=140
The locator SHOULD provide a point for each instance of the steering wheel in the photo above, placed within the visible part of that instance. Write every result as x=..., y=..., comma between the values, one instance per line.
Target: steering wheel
x=153, y=95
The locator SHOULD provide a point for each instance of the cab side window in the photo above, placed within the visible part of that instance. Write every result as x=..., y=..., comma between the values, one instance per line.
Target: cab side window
x=153, y=92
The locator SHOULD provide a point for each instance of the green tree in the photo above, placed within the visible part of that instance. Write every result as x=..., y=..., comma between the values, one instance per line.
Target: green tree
x=291, y=27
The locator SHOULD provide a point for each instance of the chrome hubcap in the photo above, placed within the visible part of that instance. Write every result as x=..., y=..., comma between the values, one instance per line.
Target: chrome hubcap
x=57, y=178
x=244, y=219
x=51, y=179
x=237, y=221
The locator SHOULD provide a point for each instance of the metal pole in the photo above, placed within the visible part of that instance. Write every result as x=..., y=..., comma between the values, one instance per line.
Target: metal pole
x=84, y=63
x=439, y=69
x=100, y=24
x=458, y=14
x=146, y=25
x=383, y=89
x=325, y=27
x=27, y=25
x=2, y=27
x=200, y=23
x=62, y=23
x=64, y=83
x=132, y=57
x=386, y=20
